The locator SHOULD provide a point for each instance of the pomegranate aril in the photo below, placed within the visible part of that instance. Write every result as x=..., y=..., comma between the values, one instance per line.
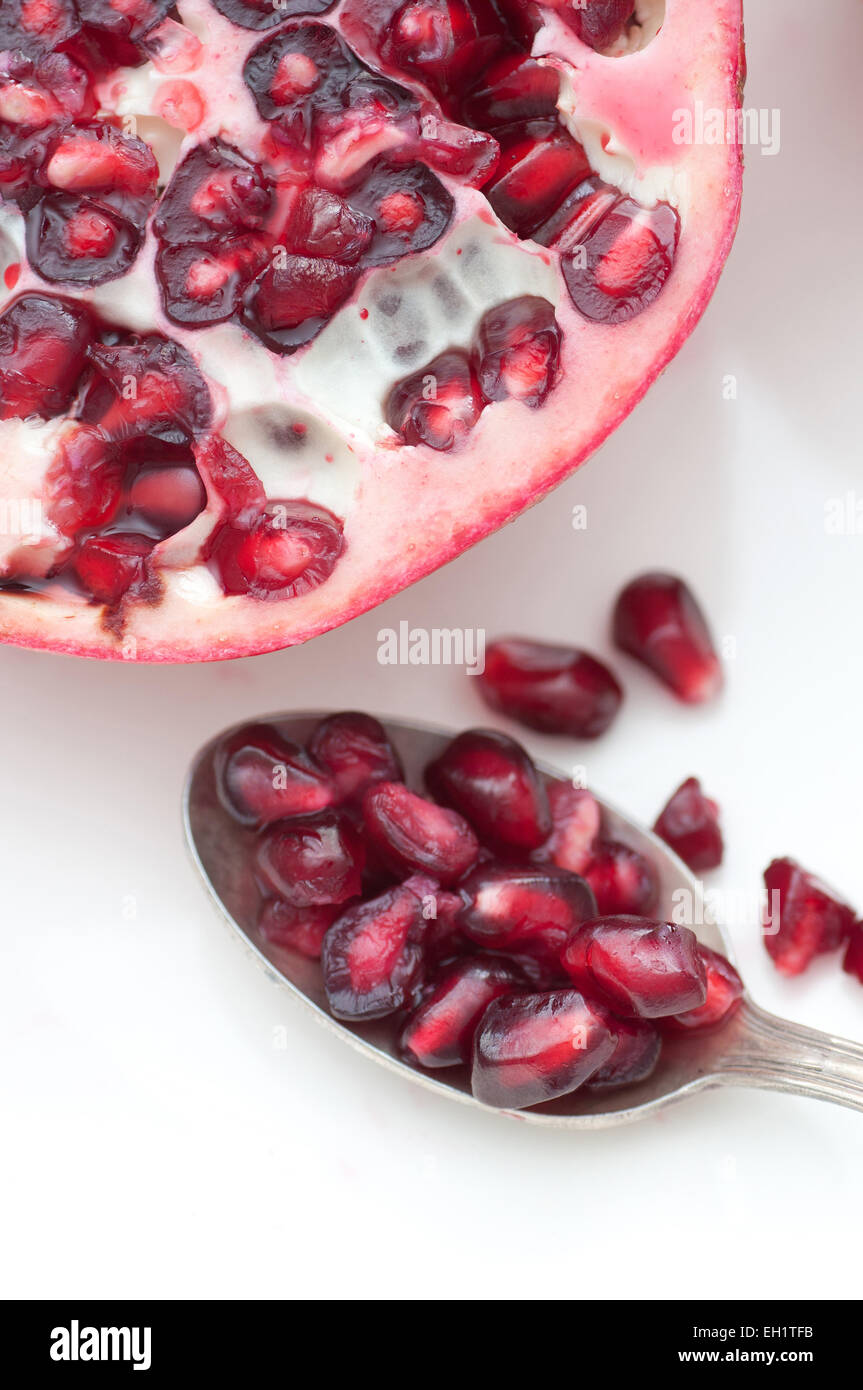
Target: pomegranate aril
x=36, y=91
x=622, y=880
x=373, y=954
x=517, y=352
x=83, y=483
x=323, y=224
x=99, y=158
x=231, y=478
x=597, y=22
x=128, y=19
x=203, y=285
x=528, y=911
x=37, y=26
x=155, y=389
x=410, y=207
x=445, y=42
x=302, y=70
x=643, y=969
x=356, y=752
x=76, y=241
x=535, y=1047
x=689, y=823
x=635, y=1056
x=576, y=824
x=311, y=862
x=557, y=690
x=438, y=405
x=623, y=262
x=294, y=298
x=22, y=154
x=724, y=992
x=413, y=835
x=491, y=780
x=440, y=1032
x=471, y=155
x=540, y=164
x=263, y=778
x=43, y=347
x=296, y=928
x=804, y=918
x=577, y=215
x=265, y=14
x=658, y=621
x=109, y=566
x=290, y=548
x=514, y=88
x=214, y=193
x=853, y=961
x=167, y=498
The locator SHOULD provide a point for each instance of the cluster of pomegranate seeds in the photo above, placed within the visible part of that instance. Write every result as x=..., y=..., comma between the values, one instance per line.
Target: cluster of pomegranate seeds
x=471, y=920
x=804, y=918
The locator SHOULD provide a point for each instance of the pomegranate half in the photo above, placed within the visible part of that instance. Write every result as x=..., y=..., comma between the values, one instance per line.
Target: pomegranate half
x=298, y=300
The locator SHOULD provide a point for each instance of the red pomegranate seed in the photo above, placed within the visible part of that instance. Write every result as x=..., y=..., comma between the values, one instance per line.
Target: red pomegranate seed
x=513, y=88
x=689, y=823
x=527, y=911
x=323, y=224
x=619, y=268
x=36, y=91
x=440, y=1032
x=558, y=690
x=535, y=1047
x=598, y=22
x=373, y=954
x=168, y=499
x=803, y=919
x=471, y=155
x=622, y=880
x=109, y=566
x=410, y=207
x=202, y=285
x=262, y=778
x=446, y=42
x=643, y=969
x=577, y=215
x=437, y=406
x=84, y=482
x=658, y=621
x=43, y=349
x=127, y=18
x=491, y=780
x=264, y=14
x=414, y=835
x=356, y=752
x=576, y=823
x=180, y=104
x=231, y=478
x=517, y=352
x=89, y=234
x=156, y=389
x=43, y=23
x=312, y=862
x=724, y=992
x=298, y=50
x=90, y=159
x=634, y=1058
x=290, y=549
x=853, y=961
x=296, y=928
x=537, y=169
x=294, y=298
x=73, y=240
x=214, y=193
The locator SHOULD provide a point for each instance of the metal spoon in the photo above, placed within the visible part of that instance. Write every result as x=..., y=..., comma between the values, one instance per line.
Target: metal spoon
x=755, y=1049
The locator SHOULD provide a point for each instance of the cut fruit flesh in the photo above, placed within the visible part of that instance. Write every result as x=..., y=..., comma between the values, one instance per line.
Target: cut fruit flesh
x=515, y=449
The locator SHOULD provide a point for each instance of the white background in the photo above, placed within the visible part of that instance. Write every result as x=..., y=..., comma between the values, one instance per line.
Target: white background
x=158, y=1143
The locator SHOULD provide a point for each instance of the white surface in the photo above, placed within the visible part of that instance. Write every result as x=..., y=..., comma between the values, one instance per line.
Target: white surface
x=164, y=1137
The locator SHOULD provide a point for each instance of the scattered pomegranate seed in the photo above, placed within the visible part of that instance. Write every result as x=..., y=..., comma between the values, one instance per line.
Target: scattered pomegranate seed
x=263, y=778
x=524, y=911
x=623, y=261
x=167, y=498
x=643, y=969
x=491, y=780
x=535, y=1047
x=109, y=566
x=622, y=880
x=803, y=918
x=576, y=825
x=95, y=158
x=37, y=91
x=724, y=992
x=263, y=14
x=438, y=405
x=43, y=347
x=853, y=961
x=412, y=834
x=689, y=823
x=439, y=1033
x=127, y=18
x=296, y=928
x=635, y=1055
x=289, y=549
x=558, y=690
x=202, y=284
x=658, y=621
x=373, y=954
x=312, y=862
x=356, y=752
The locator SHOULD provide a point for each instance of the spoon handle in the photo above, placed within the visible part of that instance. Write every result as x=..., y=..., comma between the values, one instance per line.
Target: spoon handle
x=773, y=1054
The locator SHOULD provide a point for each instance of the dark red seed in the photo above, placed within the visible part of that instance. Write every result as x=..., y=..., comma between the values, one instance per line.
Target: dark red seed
x=37, y=91
x=83, y=484
x=643, y=969
x=803, y=917
x=43, y=349
x=127, y=19
x=73, y=240
x=558, y=690
x=535, y=1047
x=438, y=405
x=311, y=862
x=853, y=961
x=513, y=88
x=622, y=880
x=634, y=1057
x=517, y=351
x=410, y=207
x=528, y=911
x=540, y=165
x=37, y=27
x=262, y=778
x=491, y=780
x=373, y=954
x=689, y=823
x=440, y=1032
x=298, y=74
x=658, y=621
x=323, y=224
x=576, y=823
x=445, y=42
x=203, y=285
x=356, y=752
x=296, y=928
x=294, y=298
x=264, y=14
x=414, y=835
x=289, y=549
x=155, y=389
x=623, y=262
x=215, y=194
x=598, y=22
x=108, y=567
x=724, y=992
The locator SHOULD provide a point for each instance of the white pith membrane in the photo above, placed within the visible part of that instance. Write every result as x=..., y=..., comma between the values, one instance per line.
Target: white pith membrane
x=401, y=517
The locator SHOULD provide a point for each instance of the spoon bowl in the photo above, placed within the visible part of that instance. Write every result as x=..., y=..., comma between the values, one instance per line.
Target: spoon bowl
x=753, y=1048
